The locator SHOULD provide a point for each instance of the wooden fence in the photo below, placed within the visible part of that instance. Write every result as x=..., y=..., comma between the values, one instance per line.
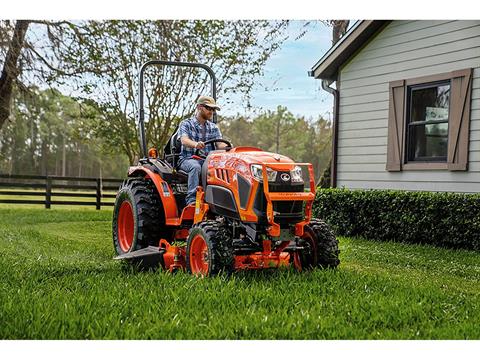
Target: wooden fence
x=47, y=187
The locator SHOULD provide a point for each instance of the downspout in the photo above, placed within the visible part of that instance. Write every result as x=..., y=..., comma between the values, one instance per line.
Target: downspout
x=336, y=95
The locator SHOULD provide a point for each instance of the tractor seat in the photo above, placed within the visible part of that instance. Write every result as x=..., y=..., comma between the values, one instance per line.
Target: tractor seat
x=176, y=149
x=176, y=146
x=172, y=153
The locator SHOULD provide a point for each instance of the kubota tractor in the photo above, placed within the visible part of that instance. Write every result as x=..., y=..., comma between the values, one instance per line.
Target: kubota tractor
x=252, y=209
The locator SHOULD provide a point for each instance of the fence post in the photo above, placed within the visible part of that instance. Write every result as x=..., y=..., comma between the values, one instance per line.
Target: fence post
x=99, y=194
x=48, y=192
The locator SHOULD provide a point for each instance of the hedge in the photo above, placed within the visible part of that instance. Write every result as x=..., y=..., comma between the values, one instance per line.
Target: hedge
x=443, y=219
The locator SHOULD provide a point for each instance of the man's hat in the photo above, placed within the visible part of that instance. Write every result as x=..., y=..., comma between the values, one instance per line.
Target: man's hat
x=208, y=101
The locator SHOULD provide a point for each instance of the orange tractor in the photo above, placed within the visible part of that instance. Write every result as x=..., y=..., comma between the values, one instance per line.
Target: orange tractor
x=253, y=209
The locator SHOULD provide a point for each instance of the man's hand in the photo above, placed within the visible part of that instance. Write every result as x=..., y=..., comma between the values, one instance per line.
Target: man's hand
x=192, y=144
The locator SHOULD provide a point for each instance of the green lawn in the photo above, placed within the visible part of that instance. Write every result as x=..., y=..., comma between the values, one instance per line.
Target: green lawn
x=58, y=281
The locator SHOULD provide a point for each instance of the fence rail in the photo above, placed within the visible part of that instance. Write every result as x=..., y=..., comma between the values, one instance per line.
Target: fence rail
x=93, y=188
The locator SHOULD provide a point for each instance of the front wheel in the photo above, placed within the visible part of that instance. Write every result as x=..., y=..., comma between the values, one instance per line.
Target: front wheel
x=320, y=247
x=209, y=249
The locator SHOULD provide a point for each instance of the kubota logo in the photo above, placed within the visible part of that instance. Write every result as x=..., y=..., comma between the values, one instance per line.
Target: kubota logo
x=285, y=177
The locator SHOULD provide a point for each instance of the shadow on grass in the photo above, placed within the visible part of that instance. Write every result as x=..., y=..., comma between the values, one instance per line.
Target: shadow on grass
x=244, y=276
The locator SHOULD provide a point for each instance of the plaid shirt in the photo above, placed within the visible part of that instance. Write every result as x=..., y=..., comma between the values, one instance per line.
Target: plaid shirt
x=196, y=132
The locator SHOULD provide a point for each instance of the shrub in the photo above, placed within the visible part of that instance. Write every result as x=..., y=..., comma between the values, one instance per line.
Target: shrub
x=442, y=219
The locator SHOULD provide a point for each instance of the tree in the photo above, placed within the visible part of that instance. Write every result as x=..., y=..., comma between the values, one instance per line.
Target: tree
x=339, y=28
x=109, y=54
x=51, y=134
x=281, y=132
x=11, y=66
x=27, y=52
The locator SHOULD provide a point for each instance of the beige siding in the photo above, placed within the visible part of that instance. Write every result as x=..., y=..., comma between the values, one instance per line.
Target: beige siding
x=403, y=50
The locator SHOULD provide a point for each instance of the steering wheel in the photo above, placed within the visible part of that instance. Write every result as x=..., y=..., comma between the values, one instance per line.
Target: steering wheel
x=201, y=153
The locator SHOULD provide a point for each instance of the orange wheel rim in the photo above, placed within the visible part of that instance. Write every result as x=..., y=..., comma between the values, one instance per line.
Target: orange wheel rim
x=199, y=255
x=125, y=226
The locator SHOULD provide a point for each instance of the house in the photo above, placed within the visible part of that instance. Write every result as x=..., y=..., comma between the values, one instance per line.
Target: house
x=406, y=105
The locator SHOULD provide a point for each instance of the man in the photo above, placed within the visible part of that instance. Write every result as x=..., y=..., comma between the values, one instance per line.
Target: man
x=193, y=134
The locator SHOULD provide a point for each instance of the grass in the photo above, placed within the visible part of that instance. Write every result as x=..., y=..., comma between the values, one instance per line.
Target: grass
x=59, y=282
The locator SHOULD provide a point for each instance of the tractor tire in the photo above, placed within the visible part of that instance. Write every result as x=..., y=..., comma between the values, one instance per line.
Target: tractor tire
x=320, y=246
x=209, y=249
x=138, y=217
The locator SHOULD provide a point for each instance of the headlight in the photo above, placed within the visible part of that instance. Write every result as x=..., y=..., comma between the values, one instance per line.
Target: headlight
x=258, y=174
x=296, y=174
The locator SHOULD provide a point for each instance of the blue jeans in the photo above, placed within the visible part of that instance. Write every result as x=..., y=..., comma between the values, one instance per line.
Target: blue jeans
x=193, y=168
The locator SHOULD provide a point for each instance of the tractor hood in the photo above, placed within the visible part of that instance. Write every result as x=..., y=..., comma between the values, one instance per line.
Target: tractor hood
x=256, y=156
x=241, y=158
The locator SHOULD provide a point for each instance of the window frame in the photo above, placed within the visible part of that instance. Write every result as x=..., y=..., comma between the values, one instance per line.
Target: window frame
x=409, y=147
x=458, y=124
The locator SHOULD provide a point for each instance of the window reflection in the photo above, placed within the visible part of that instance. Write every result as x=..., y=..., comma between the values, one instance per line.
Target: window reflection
x=427, y=130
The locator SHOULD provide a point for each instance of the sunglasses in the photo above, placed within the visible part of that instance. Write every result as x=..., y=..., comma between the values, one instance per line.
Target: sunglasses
x=209, y=108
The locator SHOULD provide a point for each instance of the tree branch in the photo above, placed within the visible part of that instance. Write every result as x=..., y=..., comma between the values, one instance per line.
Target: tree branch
x=11, y=70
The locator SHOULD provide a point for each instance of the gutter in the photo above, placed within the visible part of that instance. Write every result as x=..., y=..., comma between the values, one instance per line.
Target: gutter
x=336, y=97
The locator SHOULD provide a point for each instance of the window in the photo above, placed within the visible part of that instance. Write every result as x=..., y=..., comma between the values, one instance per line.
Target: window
x=428, y=124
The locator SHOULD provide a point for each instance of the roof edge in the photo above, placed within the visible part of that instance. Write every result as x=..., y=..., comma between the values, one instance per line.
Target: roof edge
x=327, y=67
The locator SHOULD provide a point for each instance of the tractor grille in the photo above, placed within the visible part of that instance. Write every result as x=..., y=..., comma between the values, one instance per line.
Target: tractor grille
x=288, y=211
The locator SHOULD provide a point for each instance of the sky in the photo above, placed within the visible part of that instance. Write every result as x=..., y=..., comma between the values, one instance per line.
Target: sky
x=286, y=71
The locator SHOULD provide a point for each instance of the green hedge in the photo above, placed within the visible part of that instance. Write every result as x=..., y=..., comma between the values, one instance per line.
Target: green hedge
x=441, y=219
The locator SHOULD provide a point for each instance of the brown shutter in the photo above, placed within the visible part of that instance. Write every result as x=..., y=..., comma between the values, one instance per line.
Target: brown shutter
x=459, y=122
x=395, y=125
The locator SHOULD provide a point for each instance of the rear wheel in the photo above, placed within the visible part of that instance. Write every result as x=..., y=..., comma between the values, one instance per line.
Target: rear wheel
x=209, y=249
x=320, y=247
x=138, y=217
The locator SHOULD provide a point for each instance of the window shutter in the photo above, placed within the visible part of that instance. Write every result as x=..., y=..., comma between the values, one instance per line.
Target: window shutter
x=459, y=122
x=395, y=125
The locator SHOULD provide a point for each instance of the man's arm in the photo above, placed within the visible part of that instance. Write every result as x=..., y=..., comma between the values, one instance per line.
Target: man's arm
x=183, y=132
x=190, y=143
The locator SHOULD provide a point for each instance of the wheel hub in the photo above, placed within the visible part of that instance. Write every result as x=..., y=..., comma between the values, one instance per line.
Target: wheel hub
x=199, y=257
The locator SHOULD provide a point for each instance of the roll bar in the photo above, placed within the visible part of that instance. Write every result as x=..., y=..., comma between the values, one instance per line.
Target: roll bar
x=141, y=111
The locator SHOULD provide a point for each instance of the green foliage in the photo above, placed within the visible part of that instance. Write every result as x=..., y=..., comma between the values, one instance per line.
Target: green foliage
x=281, y=132
x=107, y=55
x=53, y=134
x=326, y=180
x=59, y=282
x=441, y=219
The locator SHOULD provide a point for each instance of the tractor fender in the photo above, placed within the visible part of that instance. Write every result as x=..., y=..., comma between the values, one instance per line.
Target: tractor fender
x=164, y=190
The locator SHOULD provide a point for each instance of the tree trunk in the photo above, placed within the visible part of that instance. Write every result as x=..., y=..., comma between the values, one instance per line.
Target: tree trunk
x=11, y=70
x=339, y=28
x=64, y=156
x=13, y=157
x=80, y=161
x=44, y=157
x=33, y=145
x=277, y=137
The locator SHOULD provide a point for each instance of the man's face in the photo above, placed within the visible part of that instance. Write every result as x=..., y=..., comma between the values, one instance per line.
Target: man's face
x=206, y=111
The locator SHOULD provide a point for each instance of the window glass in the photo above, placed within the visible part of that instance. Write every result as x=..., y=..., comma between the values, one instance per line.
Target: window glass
x=427, y=131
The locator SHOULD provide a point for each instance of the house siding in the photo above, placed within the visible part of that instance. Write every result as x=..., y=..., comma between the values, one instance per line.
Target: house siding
x=403, y=50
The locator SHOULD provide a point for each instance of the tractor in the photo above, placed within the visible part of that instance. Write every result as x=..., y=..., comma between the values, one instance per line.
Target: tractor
x=253, y=209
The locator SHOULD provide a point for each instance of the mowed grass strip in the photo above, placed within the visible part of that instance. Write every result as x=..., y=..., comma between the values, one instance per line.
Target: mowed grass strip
x=58, y=281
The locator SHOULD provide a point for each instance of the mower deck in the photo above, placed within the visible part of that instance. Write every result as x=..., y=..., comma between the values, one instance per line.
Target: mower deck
x=173, y=258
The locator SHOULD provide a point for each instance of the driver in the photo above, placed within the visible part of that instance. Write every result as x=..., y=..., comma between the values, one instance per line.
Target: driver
x=193, y=133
